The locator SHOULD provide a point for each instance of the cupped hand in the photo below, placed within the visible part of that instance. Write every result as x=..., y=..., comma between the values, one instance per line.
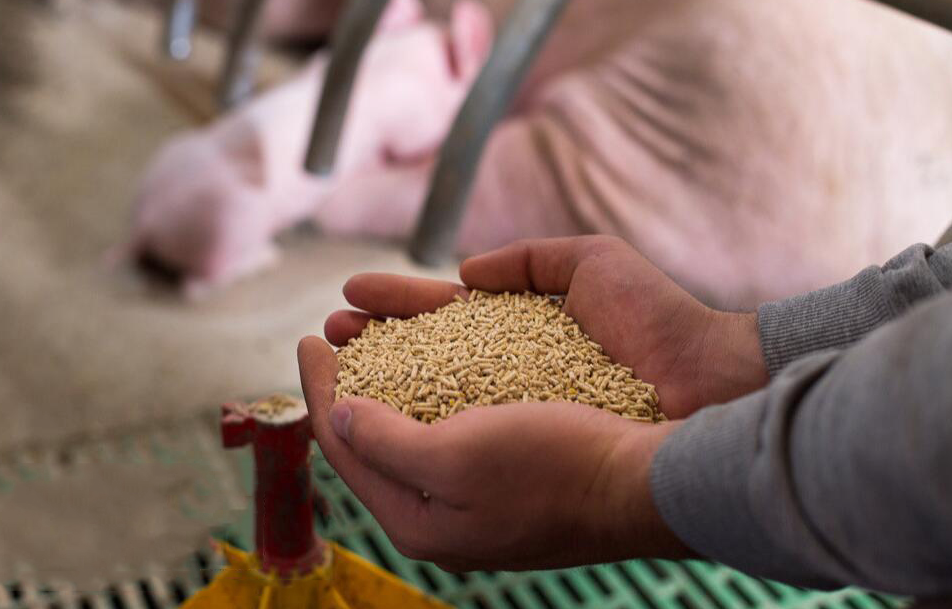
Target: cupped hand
x=519, y=486
x=694, y=355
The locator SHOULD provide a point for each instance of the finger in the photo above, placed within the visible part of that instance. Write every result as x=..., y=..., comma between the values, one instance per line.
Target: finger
x=544, y=266
x=319, y=367
x=399, y=296
x=398, y=447
x=342, y=326
x=397, y=507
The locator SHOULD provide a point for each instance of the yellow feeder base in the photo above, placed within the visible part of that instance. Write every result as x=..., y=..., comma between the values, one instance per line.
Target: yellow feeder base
x=344, y=581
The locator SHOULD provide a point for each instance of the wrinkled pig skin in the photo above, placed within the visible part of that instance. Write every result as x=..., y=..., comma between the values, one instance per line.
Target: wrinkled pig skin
x=212, y=200
x=752, y=150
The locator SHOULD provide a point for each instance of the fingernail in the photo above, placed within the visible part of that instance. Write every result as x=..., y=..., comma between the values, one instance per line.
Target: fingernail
x=340, y=421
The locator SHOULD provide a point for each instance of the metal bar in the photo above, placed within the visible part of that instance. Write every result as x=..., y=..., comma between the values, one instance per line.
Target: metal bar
x=936, y=12
x=519, y=41
x=348, y=41
x=177, y=34
x=238, y=75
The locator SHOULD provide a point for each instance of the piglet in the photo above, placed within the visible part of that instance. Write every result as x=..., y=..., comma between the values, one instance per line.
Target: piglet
x=212, y=200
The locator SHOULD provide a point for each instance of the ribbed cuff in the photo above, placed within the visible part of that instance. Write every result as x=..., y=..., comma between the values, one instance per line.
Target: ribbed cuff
x=699, y=482
x=722, y=483
x=831, y=318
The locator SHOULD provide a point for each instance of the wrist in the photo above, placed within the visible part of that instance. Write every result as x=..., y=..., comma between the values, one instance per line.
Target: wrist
x=734, y=363
x=638, y=531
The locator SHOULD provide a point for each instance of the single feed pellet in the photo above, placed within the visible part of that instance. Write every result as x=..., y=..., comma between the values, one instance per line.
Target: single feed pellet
x=490, y=349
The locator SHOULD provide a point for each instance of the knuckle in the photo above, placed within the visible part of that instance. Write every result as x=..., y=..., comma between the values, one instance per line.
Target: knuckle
x=523, y=247
x=456, y=470
x=448, y=452
x=601, y=244
x=455, y=467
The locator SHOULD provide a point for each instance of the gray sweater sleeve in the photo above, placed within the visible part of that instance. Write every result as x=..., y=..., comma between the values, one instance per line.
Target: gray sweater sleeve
x=840, y=315
x=839, y=472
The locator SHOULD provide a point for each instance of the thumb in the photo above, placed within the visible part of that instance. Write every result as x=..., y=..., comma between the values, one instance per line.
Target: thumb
x=318, y=367
x=384, y=440
x=395, y=505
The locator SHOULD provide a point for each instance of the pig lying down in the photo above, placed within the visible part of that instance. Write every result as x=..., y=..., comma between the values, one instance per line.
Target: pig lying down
x=212, y=200
x=752, y=150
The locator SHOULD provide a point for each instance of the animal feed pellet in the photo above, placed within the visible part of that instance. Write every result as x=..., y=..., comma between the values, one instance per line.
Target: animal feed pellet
x=490, y=349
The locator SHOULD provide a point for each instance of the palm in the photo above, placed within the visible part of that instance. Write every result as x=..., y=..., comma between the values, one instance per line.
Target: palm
x=643, y=320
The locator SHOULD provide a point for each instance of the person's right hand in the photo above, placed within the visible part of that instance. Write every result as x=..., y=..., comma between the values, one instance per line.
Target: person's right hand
x=694, y=355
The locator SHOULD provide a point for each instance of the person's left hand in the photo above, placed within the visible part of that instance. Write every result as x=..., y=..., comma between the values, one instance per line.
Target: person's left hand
x=521, y=486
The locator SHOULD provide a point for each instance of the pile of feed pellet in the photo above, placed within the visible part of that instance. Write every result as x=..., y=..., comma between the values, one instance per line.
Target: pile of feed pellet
x=491, y=349
x=278, y=408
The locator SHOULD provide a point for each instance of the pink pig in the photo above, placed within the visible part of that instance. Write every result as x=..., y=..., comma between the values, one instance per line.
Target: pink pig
x=752, y=150
x=212, y=200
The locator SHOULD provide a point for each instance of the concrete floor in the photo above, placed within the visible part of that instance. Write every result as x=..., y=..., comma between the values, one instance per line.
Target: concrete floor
x=85, y=350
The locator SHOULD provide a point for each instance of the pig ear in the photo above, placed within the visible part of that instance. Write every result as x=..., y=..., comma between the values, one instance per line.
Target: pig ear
x=400, y=14
x=471, y=38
